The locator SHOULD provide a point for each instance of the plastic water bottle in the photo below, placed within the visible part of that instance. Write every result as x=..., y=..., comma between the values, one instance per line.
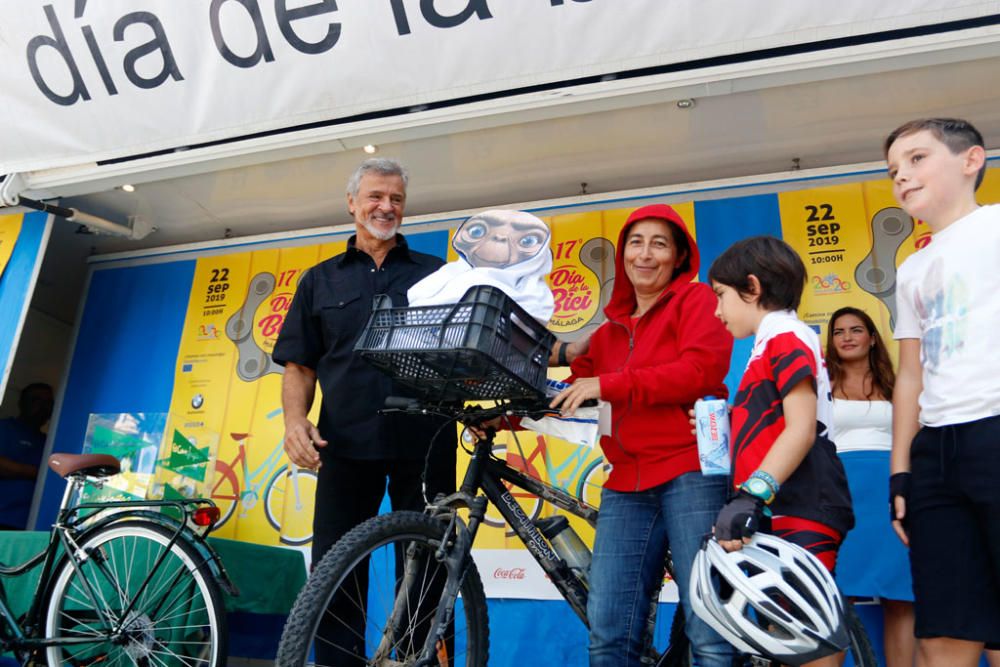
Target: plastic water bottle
x=567, y=544
x=711, y=416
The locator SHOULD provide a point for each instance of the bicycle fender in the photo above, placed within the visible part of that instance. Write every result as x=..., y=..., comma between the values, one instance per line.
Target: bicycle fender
x=204, y=549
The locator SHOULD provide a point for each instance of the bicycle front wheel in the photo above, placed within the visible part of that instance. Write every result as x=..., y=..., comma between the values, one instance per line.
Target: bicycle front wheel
x=373, y=597
x=174, y=618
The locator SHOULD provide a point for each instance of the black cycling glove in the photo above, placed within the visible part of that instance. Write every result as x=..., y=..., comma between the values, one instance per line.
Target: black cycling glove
x=739, y=518
x=899, y=485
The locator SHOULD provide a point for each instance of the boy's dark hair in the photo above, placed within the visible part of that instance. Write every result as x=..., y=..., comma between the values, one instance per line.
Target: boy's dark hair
x=778, y=268
x=958, y=135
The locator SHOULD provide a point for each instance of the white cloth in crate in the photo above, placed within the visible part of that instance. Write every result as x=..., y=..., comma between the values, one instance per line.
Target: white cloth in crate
x=505, y=249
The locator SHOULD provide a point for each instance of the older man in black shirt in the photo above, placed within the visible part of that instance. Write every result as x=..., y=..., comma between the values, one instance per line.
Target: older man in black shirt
x=355, y=448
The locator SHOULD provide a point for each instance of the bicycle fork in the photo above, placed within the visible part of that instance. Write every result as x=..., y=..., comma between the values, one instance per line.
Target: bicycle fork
x=454, y=552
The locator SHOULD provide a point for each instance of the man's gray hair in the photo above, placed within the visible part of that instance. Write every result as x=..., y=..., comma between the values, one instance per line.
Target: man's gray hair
x=386, y=166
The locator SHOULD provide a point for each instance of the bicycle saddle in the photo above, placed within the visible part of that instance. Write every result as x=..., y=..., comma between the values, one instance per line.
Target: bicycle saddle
x=91, y=465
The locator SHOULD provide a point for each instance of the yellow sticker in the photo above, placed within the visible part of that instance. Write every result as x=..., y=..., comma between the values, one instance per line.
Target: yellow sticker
x=10, y=228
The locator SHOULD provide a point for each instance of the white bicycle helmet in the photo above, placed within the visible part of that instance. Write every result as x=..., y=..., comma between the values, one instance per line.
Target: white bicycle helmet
x=771, y=598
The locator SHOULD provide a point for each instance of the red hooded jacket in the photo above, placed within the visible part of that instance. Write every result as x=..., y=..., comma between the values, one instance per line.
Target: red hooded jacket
x=654, y=368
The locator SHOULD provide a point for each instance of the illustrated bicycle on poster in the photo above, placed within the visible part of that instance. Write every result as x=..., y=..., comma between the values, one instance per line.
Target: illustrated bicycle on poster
x=287, y=490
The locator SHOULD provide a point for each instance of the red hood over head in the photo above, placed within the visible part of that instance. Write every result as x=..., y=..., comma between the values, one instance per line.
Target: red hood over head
x=622, y=301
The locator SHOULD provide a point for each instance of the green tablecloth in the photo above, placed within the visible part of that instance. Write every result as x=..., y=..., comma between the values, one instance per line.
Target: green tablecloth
x=268, y=578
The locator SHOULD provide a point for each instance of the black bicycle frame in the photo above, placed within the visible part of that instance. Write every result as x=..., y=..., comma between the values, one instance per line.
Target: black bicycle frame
x=488, y=473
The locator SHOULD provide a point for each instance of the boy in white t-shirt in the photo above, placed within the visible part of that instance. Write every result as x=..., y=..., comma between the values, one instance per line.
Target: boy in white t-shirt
x=945, y=488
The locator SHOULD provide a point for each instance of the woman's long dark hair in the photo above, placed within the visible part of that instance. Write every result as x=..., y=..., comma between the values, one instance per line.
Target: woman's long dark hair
x=879, y=363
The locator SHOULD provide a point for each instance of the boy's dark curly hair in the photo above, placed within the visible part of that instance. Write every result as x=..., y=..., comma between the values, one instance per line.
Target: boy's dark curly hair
x=777, y=267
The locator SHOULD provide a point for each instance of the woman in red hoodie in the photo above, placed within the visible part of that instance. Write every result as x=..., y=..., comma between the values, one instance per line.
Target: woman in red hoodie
x=661, y=349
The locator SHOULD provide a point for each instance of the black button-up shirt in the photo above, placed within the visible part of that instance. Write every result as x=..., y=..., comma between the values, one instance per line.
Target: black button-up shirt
x=331, y=307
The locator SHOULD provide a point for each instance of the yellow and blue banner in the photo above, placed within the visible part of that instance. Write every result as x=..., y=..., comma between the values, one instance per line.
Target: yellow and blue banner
x=23, y=237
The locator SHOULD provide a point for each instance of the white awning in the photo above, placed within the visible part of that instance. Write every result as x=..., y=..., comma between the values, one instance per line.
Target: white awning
x=84, y=82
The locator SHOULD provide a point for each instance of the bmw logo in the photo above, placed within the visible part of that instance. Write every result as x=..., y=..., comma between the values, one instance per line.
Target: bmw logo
x=197, y=401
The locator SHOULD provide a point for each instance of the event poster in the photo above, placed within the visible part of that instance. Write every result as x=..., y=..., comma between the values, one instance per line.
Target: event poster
x=852, y=238
x=227, y=384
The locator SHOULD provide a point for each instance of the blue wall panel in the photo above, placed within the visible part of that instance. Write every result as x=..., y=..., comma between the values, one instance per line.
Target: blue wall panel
x=124, y=355
x=722, y=222
x=432, y=243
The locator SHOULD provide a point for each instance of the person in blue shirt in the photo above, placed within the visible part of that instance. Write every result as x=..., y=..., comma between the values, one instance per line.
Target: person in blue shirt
x=21, y=445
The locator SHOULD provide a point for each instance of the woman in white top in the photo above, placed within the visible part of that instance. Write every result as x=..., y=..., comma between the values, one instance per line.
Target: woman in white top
x=872, y=562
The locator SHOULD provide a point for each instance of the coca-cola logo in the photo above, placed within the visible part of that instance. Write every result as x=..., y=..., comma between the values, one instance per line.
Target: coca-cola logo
x=508, y=573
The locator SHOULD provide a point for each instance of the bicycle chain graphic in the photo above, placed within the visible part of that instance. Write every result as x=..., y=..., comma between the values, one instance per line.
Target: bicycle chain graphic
x=253, y=362
x=876, y=273
x=598, y=255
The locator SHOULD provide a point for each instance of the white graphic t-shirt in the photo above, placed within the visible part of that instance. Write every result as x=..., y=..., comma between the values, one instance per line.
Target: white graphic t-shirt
x=948, y=296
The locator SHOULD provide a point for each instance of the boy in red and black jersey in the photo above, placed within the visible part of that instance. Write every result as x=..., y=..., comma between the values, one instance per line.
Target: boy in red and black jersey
x=783, y=458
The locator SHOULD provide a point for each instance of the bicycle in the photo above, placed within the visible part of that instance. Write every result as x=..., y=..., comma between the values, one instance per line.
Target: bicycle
x=227, y=492
x=121, y=583
x=420, y=620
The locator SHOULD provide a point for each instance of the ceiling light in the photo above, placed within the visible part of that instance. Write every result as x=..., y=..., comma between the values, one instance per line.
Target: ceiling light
x=370, y=148
x=685, y=104
x=128, y=187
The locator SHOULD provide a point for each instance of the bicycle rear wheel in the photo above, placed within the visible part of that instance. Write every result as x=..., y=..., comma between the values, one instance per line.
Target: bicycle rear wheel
x=177, y=618
x=860, y=652
x=358, y=607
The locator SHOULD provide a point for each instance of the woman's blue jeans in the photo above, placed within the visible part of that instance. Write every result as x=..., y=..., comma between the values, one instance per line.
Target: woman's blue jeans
x=634, y=530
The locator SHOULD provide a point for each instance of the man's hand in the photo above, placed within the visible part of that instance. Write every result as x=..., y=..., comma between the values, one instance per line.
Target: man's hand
x=582, y=389
x=302, y=439
x=298, y=386
x=738, y=520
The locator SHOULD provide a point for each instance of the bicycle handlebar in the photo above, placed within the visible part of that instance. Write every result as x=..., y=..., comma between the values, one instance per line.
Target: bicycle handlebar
x=401, y=403
x=470, y=414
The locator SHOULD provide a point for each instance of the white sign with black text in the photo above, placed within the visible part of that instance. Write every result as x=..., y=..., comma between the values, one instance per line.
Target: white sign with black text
x=91, y=80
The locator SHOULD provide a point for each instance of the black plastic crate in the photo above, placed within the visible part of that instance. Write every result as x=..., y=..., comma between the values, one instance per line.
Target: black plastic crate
x=483, y=347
